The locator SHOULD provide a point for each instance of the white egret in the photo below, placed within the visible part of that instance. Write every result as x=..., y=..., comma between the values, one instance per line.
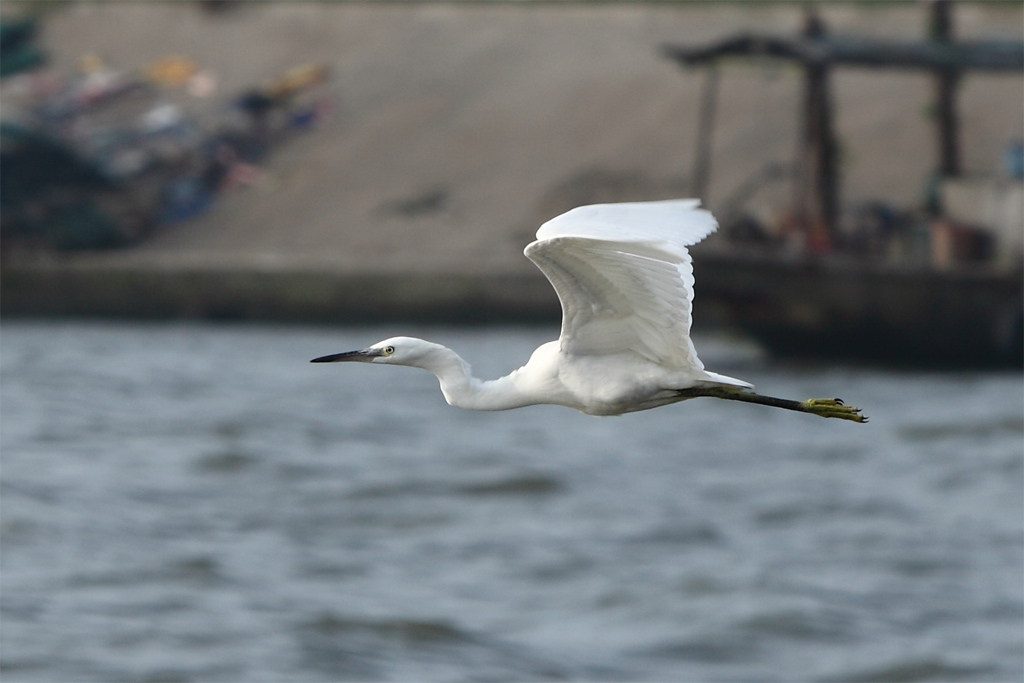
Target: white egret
x=625, y=281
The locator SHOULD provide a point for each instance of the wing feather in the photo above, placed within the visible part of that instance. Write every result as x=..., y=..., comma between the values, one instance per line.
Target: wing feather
x=673, y=224
x=625, y=278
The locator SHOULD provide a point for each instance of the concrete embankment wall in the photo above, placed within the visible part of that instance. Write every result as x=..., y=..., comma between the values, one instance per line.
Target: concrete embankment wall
x=114, y=291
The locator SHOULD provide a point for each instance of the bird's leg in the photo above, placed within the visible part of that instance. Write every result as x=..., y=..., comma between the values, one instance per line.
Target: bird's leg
x=823, y=407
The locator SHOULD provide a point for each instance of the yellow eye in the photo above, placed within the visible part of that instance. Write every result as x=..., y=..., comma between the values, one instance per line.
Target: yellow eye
x=387, y=350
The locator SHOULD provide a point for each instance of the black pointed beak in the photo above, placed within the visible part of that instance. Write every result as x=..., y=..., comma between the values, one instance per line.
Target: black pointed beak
x=363, y=356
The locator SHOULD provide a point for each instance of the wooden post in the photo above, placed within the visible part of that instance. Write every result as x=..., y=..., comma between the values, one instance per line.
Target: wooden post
x=946, y=81
x=819, y=157
x=701, y=175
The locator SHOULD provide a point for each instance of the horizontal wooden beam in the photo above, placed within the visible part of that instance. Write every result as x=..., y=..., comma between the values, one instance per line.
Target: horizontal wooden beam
x=989, y=55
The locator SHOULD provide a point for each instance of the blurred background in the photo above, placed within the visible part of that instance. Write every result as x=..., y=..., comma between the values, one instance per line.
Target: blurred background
x=198, y=197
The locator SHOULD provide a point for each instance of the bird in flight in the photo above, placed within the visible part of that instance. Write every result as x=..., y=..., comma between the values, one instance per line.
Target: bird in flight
x=624, y=278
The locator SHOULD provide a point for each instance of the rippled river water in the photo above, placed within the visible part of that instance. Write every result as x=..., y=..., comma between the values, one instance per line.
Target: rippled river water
x=199, y=503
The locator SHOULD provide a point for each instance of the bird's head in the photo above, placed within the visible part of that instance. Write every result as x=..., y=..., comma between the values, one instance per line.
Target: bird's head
x=393, y=351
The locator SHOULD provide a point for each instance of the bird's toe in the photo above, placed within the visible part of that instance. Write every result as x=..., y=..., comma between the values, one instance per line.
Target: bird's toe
x=833, y=407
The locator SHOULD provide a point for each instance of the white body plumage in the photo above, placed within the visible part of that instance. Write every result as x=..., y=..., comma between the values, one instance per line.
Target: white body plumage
x=624, y=277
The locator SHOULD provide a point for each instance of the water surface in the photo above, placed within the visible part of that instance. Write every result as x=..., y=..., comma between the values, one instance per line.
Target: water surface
x=199, y=503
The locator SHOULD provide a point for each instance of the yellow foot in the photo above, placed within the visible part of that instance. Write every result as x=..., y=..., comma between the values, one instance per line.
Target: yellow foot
x=832, y=407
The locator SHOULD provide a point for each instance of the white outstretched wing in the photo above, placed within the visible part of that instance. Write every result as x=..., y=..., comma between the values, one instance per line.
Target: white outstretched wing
x=624, y=277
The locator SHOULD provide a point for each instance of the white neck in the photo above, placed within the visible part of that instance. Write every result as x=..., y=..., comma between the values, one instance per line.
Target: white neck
x=462, y=390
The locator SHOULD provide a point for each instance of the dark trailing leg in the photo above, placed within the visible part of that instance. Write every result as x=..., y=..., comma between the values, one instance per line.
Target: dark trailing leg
x=822, y=407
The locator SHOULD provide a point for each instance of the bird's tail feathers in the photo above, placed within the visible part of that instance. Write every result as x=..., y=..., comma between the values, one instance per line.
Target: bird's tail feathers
x=715, y=378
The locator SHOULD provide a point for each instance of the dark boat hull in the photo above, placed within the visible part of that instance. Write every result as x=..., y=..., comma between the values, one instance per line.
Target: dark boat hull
x=968, y=318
